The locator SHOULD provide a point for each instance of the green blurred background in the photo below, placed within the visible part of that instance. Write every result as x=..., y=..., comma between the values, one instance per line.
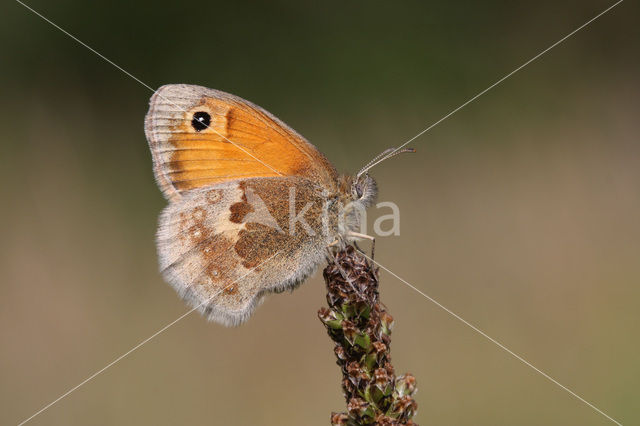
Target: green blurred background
x=520, y=212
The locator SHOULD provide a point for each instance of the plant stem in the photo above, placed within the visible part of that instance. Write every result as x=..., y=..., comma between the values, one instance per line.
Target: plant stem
x=361, y=327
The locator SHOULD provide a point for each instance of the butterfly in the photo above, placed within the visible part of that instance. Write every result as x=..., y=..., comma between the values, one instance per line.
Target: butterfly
x=253, y=205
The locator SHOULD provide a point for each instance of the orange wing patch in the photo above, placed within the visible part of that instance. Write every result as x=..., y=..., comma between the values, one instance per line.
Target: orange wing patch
x=199, y=137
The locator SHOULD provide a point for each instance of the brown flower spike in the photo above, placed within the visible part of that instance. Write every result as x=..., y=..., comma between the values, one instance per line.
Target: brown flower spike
x=361, y=328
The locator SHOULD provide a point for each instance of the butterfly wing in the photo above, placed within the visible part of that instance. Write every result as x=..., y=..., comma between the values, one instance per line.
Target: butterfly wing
x=223, y=248
x=200, y=137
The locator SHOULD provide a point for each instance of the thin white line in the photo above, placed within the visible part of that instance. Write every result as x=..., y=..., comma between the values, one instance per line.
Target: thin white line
x=508, y=75
x=88, y=379
x=90, y=48
x=141, y=82
x=509, y=351
x=400, y=147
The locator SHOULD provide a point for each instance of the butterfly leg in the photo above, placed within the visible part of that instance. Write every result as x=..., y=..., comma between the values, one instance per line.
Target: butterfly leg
x=330, y=253
x=366, y=237
x=333, y=244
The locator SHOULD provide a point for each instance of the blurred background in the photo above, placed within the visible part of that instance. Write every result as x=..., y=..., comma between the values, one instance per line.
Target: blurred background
x=519, y=213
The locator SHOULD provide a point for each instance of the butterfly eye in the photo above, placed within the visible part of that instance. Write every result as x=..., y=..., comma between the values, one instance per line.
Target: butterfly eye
x=201, y=121
x=359, y=191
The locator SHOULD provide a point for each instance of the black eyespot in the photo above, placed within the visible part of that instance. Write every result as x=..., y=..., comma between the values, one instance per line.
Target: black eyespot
x=201, y=121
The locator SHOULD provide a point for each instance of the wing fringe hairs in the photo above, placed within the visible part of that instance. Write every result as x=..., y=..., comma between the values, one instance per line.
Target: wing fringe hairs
x=361, y=328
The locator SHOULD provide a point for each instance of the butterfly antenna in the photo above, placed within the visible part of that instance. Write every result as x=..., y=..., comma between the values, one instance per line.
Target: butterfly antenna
x=377, y=157
x=385, y=155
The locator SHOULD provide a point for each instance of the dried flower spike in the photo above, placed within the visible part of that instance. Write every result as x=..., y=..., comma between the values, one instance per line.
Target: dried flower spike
x=361, y=329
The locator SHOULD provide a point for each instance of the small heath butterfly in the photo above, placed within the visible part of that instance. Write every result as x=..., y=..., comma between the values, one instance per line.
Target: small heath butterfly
x=252, y=205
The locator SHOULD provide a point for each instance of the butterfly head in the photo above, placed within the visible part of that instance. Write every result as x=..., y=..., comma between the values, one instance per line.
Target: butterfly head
x=364, y=190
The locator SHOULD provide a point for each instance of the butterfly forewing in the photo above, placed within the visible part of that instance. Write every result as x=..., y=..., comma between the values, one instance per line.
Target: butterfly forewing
x=199, y=137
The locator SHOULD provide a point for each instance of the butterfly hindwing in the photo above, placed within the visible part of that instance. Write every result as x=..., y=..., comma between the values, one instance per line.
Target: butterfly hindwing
x=224, y=247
